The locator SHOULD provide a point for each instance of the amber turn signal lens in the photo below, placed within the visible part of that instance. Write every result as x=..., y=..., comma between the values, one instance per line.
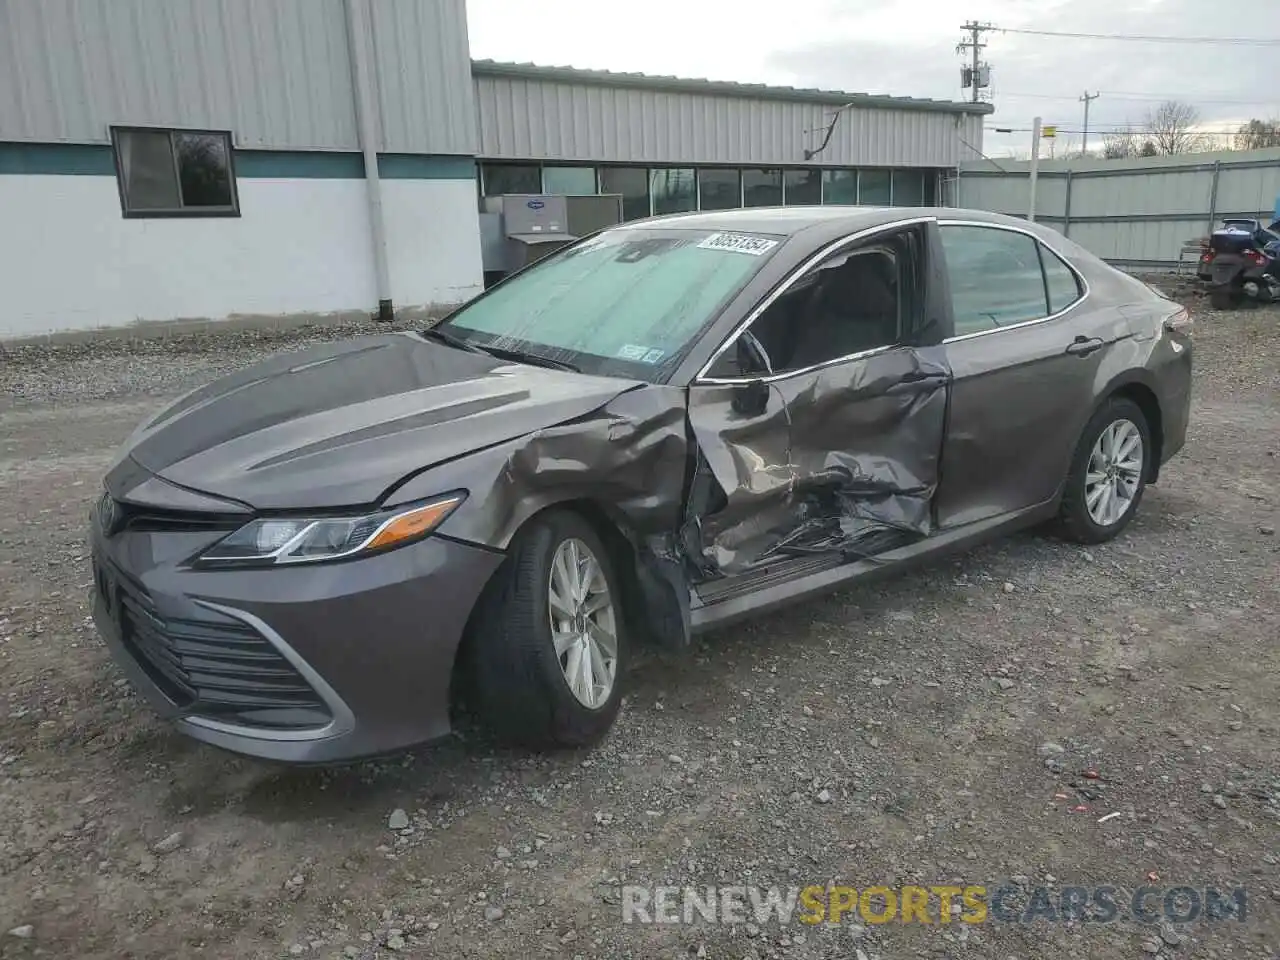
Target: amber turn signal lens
x=413, y=524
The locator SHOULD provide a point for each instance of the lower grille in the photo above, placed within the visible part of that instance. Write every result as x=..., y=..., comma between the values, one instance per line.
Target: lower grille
x=220, y=668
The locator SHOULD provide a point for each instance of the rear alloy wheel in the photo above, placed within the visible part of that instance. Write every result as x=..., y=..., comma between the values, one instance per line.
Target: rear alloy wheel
x=1108, y=473
x=548, y=643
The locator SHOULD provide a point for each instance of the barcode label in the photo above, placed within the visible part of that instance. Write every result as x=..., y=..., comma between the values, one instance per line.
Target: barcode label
x=739, y=243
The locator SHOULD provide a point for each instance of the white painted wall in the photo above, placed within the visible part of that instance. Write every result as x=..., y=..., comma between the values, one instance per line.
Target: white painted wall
x=70, y=261
x=433, y=241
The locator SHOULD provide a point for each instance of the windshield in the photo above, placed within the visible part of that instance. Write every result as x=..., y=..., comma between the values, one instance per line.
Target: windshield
x=628, y=302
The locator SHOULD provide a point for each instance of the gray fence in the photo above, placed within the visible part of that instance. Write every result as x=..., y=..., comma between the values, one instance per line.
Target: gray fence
x=1134, y=213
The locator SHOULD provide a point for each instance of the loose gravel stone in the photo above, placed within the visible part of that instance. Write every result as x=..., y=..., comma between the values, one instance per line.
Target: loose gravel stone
x=928, y=777
x=169, y=844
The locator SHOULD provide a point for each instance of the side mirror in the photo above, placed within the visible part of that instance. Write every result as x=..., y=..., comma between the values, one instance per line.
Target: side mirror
x=751, y=399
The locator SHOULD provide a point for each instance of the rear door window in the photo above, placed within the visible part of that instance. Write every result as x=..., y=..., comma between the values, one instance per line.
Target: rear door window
x=995, y=276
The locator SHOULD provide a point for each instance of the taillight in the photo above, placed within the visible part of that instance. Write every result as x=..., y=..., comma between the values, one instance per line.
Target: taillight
x=1257, y=257
x=1179, y=321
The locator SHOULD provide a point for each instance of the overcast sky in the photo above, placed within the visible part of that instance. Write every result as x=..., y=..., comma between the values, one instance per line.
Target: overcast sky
x=907, y=47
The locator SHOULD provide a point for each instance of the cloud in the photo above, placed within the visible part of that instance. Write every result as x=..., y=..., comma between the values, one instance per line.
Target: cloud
x=1035, y=75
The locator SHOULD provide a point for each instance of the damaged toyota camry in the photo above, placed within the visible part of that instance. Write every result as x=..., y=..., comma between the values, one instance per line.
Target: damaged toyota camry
x=662, y=428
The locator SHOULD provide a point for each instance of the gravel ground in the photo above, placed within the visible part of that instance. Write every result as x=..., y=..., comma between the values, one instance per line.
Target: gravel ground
x=942, y=726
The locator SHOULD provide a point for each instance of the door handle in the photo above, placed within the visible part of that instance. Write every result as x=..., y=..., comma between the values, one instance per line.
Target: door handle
x=1083, y=346
x=918, y=381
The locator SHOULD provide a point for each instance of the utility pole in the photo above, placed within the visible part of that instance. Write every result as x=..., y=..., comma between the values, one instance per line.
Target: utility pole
x=1086, y=99
x=978, y=75
x=1034, y=169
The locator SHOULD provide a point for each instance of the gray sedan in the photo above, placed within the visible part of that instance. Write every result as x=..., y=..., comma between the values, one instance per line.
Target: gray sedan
x=663, y=428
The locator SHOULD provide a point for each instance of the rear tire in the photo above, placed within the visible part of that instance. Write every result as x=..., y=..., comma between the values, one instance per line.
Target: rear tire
x=520, y=683
x=1221, y=299
x=1108, y=473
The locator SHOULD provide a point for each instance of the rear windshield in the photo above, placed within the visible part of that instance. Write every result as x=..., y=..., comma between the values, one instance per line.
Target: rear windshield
x=628, y=302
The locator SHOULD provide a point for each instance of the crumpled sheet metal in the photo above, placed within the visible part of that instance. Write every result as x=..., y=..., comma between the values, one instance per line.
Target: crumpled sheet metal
x=838, y=460
x=831, y=463
x=629, y=457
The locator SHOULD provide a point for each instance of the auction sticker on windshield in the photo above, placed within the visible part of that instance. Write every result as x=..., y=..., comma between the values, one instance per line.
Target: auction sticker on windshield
x=739, y=243
x=641, y=354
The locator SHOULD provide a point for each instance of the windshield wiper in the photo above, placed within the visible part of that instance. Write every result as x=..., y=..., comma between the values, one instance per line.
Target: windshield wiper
x=449, y=340
x=435, y=333
x=532, y=358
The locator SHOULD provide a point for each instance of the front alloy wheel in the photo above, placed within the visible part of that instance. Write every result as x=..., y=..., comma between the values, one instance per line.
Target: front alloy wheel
x=1108, y=473
x=583, y=626
x=547, y=645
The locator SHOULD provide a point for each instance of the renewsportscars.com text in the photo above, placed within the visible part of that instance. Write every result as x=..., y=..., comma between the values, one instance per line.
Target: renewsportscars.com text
x=938, y=904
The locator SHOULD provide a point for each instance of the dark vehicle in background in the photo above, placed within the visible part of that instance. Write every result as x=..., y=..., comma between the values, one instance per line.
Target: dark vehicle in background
x=1235, y=236
x=1250, y=276
x=670, y=426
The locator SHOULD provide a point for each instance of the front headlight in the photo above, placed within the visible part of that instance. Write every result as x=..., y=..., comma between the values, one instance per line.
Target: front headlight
x=284, y=540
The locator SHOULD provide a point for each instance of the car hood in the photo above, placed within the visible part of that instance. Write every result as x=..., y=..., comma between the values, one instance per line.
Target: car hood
x=340, y=424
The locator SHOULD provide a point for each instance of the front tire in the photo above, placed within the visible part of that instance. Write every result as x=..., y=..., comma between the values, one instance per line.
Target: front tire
x=1108, y=473
x=548, y=646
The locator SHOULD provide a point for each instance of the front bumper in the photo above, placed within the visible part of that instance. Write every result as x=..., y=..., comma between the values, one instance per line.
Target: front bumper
x=310, y=664
x=1172, y=366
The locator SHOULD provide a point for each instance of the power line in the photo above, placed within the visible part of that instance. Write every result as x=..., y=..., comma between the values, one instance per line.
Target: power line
x=1145, y=97
x=1141, y=38
x=1118, y=131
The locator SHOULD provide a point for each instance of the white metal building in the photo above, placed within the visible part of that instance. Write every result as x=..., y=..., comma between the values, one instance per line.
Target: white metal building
x=208, y=158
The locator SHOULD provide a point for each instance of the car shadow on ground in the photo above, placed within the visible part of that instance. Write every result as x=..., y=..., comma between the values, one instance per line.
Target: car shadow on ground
x=700, y=682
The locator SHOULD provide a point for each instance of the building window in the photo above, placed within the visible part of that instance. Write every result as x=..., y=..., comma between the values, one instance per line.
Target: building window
x=802, y=187
x=503, y=178
x=675, y=190
x=175, y=173
x=908, y=188
x=569, y=181
x=840, y=186
x=719, y=189
x=931, y=184
x=633, y=184
x=875, y=188
x=762, y=188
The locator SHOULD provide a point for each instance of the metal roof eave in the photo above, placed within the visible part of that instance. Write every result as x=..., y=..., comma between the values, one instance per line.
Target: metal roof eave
x=834, y=98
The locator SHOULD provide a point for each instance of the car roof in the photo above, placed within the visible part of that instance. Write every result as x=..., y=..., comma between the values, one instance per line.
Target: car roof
x=789, y=221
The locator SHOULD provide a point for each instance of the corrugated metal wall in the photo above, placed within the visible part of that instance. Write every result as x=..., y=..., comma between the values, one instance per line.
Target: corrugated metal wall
x=275, y=72
x=1132, y=212
x=525, y=118
x=422, y=62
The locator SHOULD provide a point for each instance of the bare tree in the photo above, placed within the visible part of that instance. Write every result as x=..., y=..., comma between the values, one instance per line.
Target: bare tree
x=1170, y=128
x=1119, y=145
x=1258, y=134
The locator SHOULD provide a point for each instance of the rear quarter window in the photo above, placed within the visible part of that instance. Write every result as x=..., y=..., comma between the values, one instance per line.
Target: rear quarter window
x=1060, y=280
